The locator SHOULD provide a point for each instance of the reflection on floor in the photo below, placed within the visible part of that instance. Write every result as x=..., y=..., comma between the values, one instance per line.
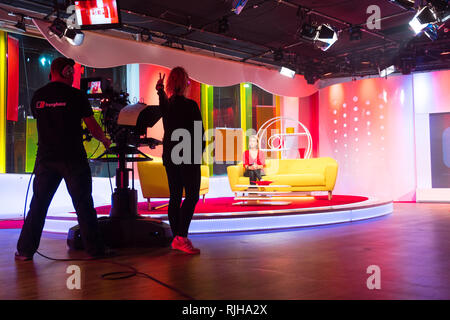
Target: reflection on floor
x=411, y=247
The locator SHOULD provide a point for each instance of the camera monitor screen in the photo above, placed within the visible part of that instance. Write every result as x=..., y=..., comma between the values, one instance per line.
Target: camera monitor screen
x=93, y=87
x=97, y=14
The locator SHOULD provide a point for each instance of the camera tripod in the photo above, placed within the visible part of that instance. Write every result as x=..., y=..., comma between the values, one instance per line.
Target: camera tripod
x=125, y=227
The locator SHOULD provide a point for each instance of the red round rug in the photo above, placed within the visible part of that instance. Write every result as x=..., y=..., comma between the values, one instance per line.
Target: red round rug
x=225, y=205
x=11, y=224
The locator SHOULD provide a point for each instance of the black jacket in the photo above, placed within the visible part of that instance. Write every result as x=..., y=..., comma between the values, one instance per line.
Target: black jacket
x=179, y=112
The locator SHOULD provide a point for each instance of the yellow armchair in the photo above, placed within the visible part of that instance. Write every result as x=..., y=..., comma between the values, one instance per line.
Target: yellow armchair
x=154, y=184
x=318, y=174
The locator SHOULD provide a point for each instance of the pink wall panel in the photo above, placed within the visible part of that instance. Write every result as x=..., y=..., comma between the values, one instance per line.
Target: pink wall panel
x=368, y=127
x=309, y=115
x=431, y=92
x=289, y=109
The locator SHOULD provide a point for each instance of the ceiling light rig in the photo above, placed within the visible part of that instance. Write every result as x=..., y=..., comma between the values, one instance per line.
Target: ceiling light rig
x=278, y=54
x=310, y=77
x=287, y=72
x=73, y=36
x=355, y=33
x=386, y=71
x=238, y=5
x=423, y=18
x=430, y=18
x=324, y=36
x=308, y=31
x=58, y=27
x=20, y=25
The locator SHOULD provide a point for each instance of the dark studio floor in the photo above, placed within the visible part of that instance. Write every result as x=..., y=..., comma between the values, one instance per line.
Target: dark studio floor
x=411, y=247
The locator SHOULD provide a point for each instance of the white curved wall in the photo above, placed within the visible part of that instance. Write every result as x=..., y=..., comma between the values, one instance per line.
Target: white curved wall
x=103, y=51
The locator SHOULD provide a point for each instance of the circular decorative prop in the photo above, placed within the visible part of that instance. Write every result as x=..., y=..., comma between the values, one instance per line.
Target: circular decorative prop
x=278, y=141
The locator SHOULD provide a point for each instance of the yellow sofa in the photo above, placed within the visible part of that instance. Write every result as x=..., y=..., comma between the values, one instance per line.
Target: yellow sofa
x=318, y=174
x=153, y=179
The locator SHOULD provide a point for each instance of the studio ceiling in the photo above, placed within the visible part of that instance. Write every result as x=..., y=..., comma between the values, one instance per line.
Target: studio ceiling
x=265, y=28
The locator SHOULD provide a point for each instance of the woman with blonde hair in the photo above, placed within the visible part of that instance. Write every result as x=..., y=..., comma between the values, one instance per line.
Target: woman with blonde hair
x=183, y=170
x=254, y=161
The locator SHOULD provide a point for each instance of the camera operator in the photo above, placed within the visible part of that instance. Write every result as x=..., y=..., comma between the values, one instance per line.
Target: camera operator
x=59, y=109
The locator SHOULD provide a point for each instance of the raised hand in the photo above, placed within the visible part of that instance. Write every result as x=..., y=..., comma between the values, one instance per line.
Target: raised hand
x=160, y=83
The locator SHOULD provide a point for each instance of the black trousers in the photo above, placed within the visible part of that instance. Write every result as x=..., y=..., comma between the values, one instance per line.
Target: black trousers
x=48, y=176
x=254, y=175
x=187, y=177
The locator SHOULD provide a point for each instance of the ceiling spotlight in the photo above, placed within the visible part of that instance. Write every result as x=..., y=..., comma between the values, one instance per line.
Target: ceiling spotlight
x=20, y=25
x=58, y=27
x=287, y=72
x=308, y=31
x=430, y=18
x=385, y=72
x=326, y=36
x=238, y=5
x=422, y=19
x=74, y=37
x=431, y=31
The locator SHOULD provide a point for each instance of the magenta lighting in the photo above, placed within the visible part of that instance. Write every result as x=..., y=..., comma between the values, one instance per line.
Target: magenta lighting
x=287, y=72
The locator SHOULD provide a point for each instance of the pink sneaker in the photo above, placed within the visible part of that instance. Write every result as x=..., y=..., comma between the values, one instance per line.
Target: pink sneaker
x=185, y=245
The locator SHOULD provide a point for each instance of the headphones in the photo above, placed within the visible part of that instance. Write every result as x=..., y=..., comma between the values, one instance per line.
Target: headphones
x=66, y=72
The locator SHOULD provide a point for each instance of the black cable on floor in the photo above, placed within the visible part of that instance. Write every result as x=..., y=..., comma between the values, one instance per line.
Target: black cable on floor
x=117, y=275
x=107, y=276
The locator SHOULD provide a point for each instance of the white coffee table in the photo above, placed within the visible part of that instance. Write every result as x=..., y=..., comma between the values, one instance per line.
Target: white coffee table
x=257, y=195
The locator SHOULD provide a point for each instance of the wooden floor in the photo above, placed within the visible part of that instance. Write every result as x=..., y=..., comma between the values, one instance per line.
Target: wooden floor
x=411, y=246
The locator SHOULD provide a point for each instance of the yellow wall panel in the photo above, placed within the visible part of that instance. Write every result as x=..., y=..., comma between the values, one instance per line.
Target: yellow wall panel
x=3, y=74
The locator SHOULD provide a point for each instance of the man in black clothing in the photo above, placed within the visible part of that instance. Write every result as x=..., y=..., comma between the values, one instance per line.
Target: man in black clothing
x=59, y=109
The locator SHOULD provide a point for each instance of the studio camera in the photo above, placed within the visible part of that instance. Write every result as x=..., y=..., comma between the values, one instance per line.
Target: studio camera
x=125, y=123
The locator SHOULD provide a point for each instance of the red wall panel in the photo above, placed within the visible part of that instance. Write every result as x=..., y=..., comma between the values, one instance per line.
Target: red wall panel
x=13, y=80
